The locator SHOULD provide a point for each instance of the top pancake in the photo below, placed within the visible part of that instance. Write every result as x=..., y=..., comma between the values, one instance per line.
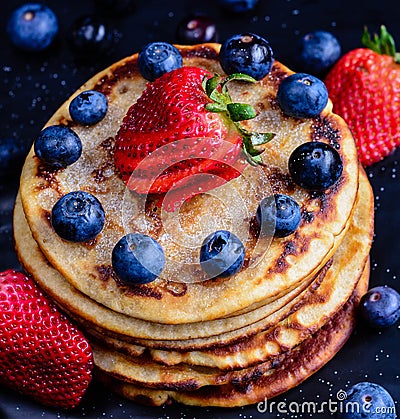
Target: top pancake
x=181, y=294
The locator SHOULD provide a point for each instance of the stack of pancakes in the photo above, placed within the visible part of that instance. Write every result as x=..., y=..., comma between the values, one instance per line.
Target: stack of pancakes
x=210, y=342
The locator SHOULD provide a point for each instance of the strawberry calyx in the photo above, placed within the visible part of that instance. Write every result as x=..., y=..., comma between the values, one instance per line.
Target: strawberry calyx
x=381, y=44
x=216, y=89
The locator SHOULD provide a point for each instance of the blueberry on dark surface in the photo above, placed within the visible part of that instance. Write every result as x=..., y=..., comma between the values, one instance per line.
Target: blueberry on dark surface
x=279, y=212
x=12, y=155
x=78, y=216
x=90, y=36
x=221, y=254
x=196, y=29
x=318, y=51
x=58, y=146
x=380, y=306
x=315, y=166
x=247, y=53
x=158, y=58
x=32, y=27
x=367, y=400
x=302, y=95
x=238, y=6
x=137, y=259
x=89, y=107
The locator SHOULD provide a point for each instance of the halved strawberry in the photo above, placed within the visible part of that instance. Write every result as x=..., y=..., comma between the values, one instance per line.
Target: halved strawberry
x=42, y=354
x=185, y=124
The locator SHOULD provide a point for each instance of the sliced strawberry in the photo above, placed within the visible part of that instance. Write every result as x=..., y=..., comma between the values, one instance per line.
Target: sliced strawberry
x=42, y=354
x=181, y=126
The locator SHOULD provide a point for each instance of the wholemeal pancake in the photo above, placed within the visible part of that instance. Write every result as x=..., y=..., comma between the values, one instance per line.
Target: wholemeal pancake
x=181, y=294
x=144, y=371
x=349, y=265
x=315, y=310
x=95, y=316
x=291, y=370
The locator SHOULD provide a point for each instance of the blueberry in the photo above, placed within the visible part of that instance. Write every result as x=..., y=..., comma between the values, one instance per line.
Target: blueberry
x=221, y=254
x=78, y=216
x=315, y=166
x=89, y=107
x=238, y=6
x=319, y=50
x=278, y=211
x=302, y=95
x=90, y=36
x=58, y=146
x=380, y=306
x=367, y=400
x=137, y=259
x=196, y=29
x=12, y=154
x=246, y=53
x=32, y=27
x=158, y=58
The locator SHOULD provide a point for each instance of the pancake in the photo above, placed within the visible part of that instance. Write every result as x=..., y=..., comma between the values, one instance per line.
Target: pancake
x=97, y=317
x=181, y=295
x=349, y=265
x=248, y=348
x=296, y=366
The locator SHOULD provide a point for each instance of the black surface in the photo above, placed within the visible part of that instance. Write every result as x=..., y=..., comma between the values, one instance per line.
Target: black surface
x=33, y=86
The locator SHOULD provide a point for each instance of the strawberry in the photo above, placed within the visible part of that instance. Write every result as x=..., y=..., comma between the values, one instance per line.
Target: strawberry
x=185, y=124
x=41, y=353
x=364, y=87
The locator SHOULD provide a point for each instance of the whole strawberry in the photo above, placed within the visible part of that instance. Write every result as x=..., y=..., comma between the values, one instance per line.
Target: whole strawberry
x=364, y=87
x=41, y=353
x=185, y=125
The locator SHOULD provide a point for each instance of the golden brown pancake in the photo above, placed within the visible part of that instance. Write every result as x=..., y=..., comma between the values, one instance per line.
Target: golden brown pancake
x=291, y=370
x=182, y=295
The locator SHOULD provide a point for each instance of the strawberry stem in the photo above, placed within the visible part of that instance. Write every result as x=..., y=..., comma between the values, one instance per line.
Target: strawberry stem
x=216, y=89
x=381, y=44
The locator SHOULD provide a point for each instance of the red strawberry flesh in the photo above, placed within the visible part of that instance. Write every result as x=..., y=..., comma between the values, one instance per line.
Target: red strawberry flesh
x=364, y=87
x=42, y=354
x=150, y=153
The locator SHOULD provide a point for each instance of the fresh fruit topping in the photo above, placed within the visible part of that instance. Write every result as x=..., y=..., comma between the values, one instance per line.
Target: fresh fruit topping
x=12, y=156
x=367, y=400
x=58, y=146
x=91, y=36
x=89, y=107
x=221, y=254
x=158, y=58
x=302, y=95
x=380, y=306
x=246, y=53
x=238, y=6
x=318, y=51
x=137, y=259
x=78, y=216
x=32, y=27
x=315, y=166
x=364, y=87
x=42, y=354
x=196, y=29
x=279, y=214
x=185, y=124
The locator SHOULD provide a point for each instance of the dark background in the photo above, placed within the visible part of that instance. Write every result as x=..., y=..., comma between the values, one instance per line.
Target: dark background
x=33, y=86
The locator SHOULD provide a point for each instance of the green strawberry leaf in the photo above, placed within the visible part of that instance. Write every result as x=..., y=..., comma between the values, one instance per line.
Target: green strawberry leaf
x=216, y=89
x=216, y=107
x=381, y=44
x=240, y=111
